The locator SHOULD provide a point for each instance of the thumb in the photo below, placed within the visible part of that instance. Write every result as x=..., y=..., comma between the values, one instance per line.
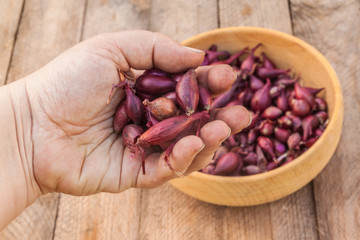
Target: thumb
x=145, y=50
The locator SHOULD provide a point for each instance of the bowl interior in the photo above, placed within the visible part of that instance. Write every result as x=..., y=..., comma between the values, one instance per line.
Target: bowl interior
x=286, y=51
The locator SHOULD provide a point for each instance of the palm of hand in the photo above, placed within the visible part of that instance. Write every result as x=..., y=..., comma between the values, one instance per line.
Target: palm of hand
x=76, y=125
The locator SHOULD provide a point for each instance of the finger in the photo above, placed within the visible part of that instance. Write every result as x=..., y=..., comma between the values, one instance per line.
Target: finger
x=236, y=117
x=185, y=157
x=218, y=79
x=137, y=73
x=212, y=134
x=144, y=50
x=182, y=155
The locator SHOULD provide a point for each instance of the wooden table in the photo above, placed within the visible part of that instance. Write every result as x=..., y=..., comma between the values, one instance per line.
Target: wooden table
x=32, y=32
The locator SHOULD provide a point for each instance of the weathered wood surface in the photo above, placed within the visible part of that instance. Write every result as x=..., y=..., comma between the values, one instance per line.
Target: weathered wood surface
x=101, y=216
x=328, y=208
x=269, y=14
x=334, y=28
x=9, y=23
x=183, y=19
x=114, y=15
x=46, y=29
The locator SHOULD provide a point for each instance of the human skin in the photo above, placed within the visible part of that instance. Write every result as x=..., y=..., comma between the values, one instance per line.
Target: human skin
x=56, y=125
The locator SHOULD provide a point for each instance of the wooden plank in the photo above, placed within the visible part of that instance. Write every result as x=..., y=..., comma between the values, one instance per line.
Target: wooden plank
x=8, y=27
x=333, y=27
x=101, y=216
x=294, y=217
x=183, y=19
x=166, y=213
x=271, y=14
x=46, y=29
x=111, y=15
x=105, y=216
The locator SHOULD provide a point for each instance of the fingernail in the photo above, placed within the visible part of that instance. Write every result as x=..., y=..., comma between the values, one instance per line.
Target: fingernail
x=200, y=149
x=236, y=75
x=194, y=49
x=250, y=120
x=229, y=133
x=225, y=137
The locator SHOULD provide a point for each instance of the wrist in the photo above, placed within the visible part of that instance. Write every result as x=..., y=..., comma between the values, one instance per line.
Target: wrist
x=17, y=183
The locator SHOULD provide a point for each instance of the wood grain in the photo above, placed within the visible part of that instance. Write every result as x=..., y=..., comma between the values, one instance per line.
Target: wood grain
x=183, y=19
x=40, y=38
x=115, y=15
x=101, y=216
x=271, y=14
x=169, y=214
x=8, y=28
x=105, y=216
x=47, y=29
x=36, y=222
x=294, y=217
x=334, y=28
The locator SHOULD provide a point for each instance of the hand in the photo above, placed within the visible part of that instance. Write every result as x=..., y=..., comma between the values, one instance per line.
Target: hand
x=75, y=148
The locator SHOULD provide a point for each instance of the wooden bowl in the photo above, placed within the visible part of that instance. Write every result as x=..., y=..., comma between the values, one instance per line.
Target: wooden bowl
x=287, y=52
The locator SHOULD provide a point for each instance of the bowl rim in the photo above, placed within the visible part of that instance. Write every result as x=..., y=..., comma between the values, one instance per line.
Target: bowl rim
x=338, y=103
